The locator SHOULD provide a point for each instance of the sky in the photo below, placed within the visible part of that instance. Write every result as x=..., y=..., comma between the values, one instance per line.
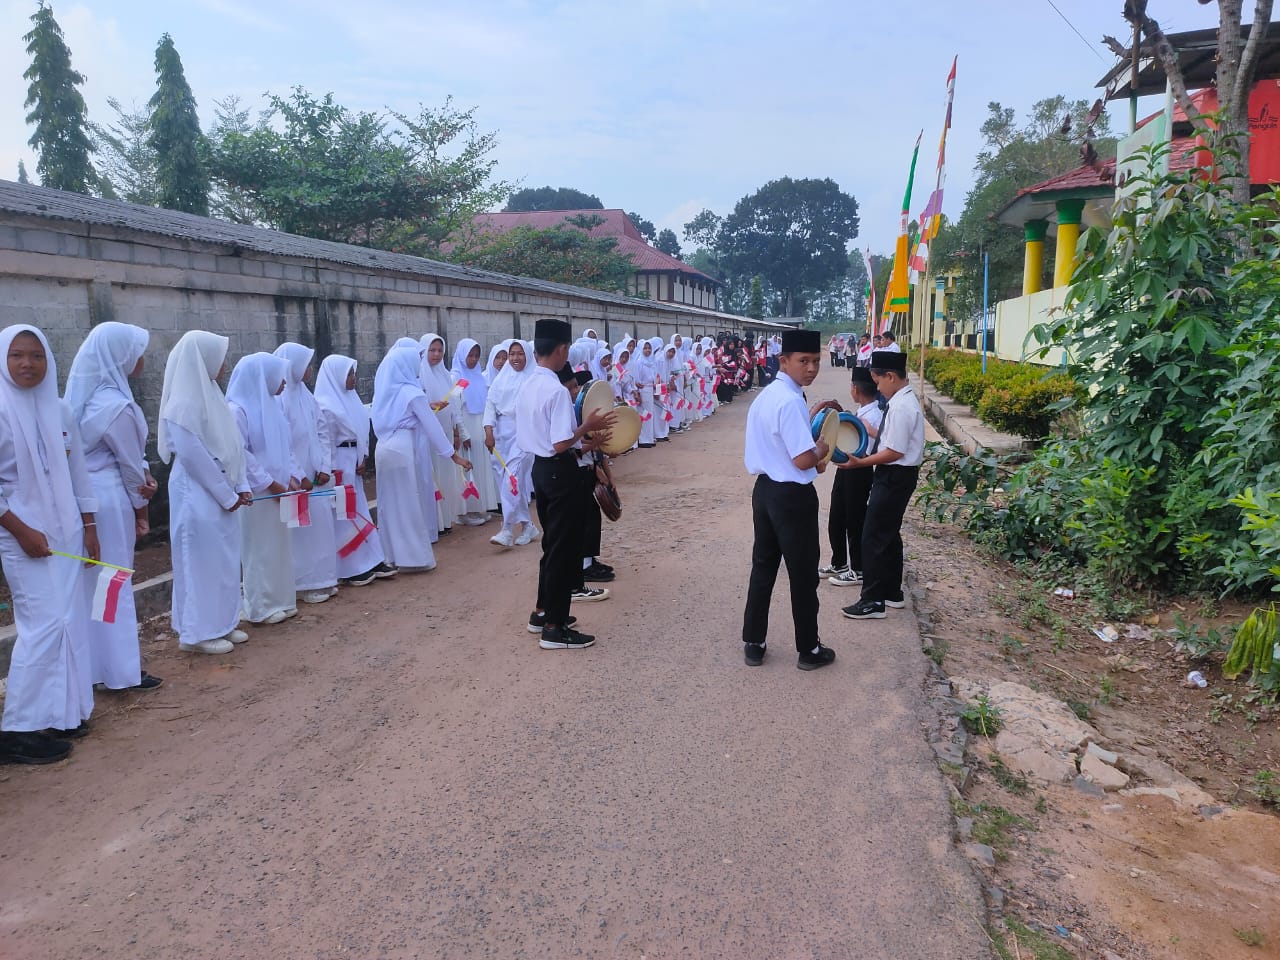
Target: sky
x=655, y=106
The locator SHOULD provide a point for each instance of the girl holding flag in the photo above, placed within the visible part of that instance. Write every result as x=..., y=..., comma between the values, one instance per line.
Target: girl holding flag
x=468, y=377
x=46, y=512
x=315, y=566
x=360, y=559
x=267, y=562
x=438, y=385
x=646, y=374
x=114, y=433
x=512, y=468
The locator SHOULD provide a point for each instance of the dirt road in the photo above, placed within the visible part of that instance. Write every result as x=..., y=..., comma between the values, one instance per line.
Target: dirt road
x=403, y=773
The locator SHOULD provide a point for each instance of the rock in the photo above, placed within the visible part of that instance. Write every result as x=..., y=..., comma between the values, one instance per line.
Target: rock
x=981, y=853
x=1033, y=758
x=1209, y=812
x=964, y=828
x=1102, y=773
x=949, y=752
x=995, y=898
x=1089, y=787
x=1168, y=792
x=1106, y=756
x=1162, y=775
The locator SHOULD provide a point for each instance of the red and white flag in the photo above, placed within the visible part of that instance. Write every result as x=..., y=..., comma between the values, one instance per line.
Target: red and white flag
x=439, y=495
x=295, y=511
x=106, y=595
x=515, y=488
x=470, y=489
x=345, y=497
x=361, y=531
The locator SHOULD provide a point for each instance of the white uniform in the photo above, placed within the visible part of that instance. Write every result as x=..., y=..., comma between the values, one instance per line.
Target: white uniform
x=500, y=414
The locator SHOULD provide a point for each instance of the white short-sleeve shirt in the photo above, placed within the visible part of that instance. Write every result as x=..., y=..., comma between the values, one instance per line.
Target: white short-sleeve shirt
x=777, y=432
x=544, y=415
x=903, y=428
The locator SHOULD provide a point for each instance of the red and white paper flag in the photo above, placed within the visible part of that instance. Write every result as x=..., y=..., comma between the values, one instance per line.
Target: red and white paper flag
x=470, y=489
x=345, y=501
x=106, y=595
x=361, y=530
x=295, y=511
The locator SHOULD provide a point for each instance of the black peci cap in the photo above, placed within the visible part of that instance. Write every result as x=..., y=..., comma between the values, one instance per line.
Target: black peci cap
x=889, y=360
x=557, y=331
x=565, y=373
x=801, y=341
x=863, y=376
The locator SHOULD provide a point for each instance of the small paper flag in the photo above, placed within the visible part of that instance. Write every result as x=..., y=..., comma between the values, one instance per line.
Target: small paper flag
x=515, y=490
x=358, y=536
x=106, y=595
x=439, y=495
x=470, y=489
x=346, y=501
x=295, y=511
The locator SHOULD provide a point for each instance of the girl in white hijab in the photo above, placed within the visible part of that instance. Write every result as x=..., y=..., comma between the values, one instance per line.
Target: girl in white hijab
x=466, y=366
x=433, y=373
x=267, y=561
x=600, y=364
x=500, y=436
x=46, y=504
x=315, y=552
x=360, y=559
x=663, y=399
x=497, y=360
x=114, y=433
x=645, y=371
x=206, y=486
x=408, y=435
x=622, y=379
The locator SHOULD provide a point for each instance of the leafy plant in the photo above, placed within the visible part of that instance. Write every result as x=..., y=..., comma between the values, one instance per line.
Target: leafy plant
x=1253, y=648
x=1251, y=937
x=1266, y=787
x=1188, y=638
x=982, y=717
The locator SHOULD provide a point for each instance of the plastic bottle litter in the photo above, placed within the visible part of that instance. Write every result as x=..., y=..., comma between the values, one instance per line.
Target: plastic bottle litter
x=1066, y=593
x=1106, y=633
x=1196, y=679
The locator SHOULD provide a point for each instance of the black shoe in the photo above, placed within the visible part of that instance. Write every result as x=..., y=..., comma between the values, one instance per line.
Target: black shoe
x=364, y=579
x=564, y=638
x=816, y=661
x=148, y=682
x=664, y=439
x=597, y=574
x=384, y=571
x=896, y=600
x=539, y=620
x=753, y=653
x=645, y=446
x=589, y=595
x=76, y=734
x=603, y=566
x=31, y=748
x=865, y=610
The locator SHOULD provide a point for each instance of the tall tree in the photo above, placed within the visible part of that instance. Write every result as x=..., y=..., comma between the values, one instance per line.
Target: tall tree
x=1237, y=65
x=794, y=234
x=757, y=299
x=57, y=109
x=551, y=198
x=668, y=243
x=182, y=180
x=646, y=227
x=228, y=201
x=22, y=173
x=126, y=159
x=704, y=230
x=562, y=253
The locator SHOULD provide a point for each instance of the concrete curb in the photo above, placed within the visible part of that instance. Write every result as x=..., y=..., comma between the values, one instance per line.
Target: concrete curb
x=958, y=424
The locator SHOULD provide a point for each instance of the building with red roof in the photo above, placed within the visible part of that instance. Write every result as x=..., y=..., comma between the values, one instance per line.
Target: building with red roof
x=657, y=276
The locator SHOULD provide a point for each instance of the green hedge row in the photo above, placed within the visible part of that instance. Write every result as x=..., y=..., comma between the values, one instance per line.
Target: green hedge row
x=1010, y=397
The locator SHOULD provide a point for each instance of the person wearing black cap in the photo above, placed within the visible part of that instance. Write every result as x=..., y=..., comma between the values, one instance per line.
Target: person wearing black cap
x=896, y=456
x=781, y=452
x=851, y=489
x=545, y=428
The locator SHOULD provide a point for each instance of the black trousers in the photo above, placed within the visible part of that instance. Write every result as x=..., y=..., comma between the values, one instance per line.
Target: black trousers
x=891, y=490
x=785, y=516
x=591, y=522
x=557, y=486
x=849, y=493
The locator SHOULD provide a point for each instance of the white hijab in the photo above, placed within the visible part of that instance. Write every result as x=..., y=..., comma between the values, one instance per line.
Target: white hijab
x=300, y=408
x=252, y=388
x=489, y=370
x=340, y=404
x=35, y=420
x=191, y=399
x=98, y=388
x=506, y=387
x=395, y=386
x=598, y=371
x=581, y=352
x=477, y=388
x=436, y=382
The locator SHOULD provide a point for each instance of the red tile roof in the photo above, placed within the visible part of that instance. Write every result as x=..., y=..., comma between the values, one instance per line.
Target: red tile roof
x=617, y=225
x=1103, y=173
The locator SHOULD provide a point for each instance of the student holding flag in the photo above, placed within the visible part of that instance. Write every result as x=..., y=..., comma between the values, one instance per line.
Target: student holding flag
x=360, y=559
x=511, y=465
x=439, y=388
x=267, y=562
x=114, y=433
x=468, y=379
x=46, y=525
x=315, y=554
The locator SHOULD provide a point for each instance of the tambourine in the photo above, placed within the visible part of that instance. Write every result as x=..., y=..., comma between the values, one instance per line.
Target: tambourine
x=607, y=499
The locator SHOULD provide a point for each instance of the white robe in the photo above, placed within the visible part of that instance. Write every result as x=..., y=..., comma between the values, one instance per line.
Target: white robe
x=266, y=547
x=204, y=540
x=367, y=553
x=404, y=518
x=315, y=551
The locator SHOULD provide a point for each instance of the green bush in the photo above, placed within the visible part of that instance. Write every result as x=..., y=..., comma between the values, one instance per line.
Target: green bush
x=1025, y=409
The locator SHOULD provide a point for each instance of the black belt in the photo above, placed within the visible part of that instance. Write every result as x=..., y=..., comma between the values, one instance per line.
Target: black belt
x=567, y=455
x=348, y=443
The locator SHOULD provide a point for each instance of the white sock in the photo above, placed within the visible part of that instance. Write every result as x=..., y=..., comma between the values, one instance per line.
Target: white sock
x=816, y=649
x=586, y=563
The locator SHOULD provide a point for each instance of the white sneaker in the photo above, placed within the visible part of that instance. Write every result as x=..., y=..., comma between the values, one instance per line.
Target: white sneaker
x=314, y=596
x=589, y=595
x=533, y=532
x=469, y=520
x=280, y=616
x=503, y=538
x=237, y=636
x=333, y=591
x=477, y=519
x=828, y=571
x=527, y=535
x=846, y=578
x=208, y=646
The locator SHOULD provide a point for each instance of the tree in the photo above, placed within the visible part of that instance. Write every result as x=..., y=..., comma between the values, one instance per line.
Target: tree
x=668, y=243
x=312, y=167
x=756, y=309
x=551, y=198
x=562, y=253
x=703, y=230
x=227, y=201
x=57, y=109
x=1237, y=64
x=794, y=234
x=182, y=181
x=646, y=227
x=22, y=173
x=127, y=161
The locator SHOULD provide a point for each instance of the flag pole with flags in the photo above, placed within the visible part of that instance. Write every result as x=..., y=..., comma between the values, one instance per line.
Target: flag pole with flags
x=931, y=218
x=899, y=284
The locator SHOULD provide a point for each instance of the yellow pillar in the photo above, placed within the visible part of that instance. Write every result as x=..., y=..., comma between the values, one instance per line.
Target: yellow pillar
x=1069, y=213
x=1033, y=256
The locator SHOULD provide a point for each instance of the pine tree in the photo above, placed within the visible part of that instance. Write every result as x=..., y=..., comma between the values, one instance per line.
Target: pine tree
x=182, y=178
x=756, y=309
x=57, y=109
x=22, y=173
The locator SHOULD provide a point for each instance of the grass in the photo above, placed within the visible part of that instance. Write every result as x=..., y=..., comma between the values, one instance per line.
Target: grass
x=982, y=717
x=1266, y=787
x=1011, y=780
x=1107, y=690
x=993, y=826
x=1028, y=944
x=1251, y=937
x=937, y=651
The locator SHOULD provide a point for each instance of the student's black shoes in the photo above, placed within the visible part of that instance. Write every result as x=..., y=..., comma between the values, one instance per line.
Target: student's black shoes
x=148, y=682
x=539, y=620
x=31, y=748
x=564, y=638
x=753, y=654
x=73, y=734
x=866, y=610
x=598, y=573
x=816, y=661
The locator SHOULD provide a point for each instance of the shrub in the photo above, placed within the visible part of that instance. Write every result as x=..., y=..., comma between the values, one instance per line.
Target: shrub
x=1018, y=398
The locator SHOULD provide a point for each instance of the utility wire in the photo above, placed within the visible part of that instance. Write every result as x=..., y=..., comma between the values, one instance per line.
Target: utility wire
x=1092, y=48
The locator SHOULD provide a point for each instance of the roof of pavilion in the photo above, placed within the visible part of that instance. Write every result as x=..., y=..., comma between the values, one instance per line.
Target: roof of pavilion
x=1197, y=52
